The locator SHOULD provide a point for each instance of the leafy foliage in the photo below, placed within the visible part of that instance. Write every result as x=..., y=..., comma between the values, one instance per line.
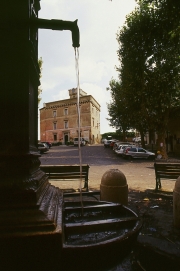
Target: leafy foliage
x=119, y=135
x=118, y=108
x=149, y=54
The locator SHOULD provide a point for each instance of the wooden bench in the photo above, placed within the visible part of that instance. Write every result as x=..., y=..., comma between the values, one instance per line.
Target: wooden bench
x=169, y=171
x=67, y=173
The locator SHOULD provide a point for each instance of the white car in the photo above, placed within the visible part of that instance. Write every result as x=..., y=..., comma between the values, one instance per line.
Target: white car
x=82, y=141
x=131, y=152
x=120, y=149
x=107, y=143
x=116, y=145
x=137, y=139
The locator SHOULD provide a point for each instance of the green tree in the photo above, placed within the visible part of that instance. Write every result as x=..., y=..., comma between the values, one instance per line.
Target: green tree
x=117, y=108
x=149, y=71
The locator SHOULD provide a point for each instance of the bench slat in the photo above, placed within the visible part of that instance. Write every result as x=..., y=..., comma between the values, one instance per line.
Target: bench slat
x=66, y=177
x=67, y=173
x=168, y=176
x=169, y=171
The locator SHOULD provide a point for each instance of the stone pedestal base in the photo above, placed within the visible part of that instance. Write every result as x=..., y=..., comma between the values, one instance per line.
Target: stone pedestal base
x=117, y=194
x=31, y=236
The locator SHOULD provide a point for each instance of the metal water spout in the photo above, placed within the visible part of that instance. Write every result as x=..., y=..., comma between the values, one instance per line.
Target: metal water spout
x=60, y=25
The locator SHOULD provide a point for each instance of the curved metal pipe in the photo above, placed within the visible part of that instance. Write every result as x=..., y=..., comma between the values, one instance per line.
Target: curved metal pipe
x=59, y=25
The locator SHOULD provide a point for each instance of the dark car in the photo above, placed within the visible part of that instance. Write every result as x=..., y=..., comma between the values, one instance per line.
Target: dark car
x=136, y=152
x=47, y=143
x=42, y=147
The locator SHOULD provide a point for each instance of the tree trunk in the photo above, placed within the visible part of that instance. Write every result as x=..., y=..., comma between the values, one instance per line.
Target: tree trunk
x=142, y=140
x=161, y=145
x=124, y=135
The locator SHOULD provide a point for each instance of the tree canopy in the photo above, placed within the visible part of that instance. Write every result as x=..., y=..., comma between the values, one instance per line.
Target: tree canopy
x=149, y=55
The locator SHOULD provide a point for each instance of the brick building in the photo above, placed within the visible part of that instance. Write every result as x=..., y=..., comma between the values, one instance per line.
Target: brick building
x=59, y=119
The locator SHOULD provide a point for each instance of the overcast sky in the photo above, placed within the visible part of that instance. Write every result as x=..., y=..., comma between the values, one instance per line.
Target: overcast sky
x=99, y=22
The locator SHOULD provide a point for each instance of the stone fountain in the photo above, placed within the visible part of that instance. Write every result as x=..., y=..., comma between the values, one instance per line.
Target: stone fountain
x=39, y=230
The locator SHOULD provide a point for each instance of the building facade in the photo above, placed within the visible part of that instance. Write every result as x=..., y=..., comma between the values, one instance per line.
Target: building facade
x=59, y=119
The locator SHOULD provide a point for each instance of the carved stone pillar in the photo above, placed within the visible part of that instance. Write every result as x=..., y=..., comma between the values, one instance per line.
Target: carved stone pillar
x=30, y=208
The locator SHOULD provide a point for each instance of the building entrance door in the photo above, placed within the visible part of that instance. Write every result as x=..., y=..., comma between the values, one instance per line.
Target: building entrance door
x=55, y=137
x=66, y=138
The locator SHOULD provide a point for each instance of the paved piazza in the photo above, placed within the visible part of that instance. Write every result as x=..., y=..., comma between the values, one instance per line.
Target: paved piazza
x=140, y=174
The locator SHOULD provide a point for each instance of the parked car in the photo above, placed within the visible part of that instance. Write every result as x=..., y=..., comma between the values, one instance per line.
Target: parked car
x=82, y=141
x=113, y=141
x=120, y=149
x=135, y=152
x=116, y=145
x=120, y=143
x=102, y=140
x=48, y=144
x=42, y=147
x=107, y=143
x=137, y=139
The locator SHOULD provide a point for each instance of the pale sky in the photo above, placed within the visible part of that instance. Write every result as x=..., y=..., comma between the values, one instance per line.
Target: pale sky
x=99, y=22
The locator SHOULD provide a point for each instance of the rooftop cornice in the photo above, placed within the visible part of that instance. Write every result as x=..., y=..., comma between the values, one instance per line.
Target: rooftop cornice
x=72, y=101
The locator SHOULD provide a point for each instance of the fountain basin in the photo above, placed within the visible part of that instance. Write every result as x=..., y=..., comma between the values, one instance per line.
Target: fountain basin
x=98, y=235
